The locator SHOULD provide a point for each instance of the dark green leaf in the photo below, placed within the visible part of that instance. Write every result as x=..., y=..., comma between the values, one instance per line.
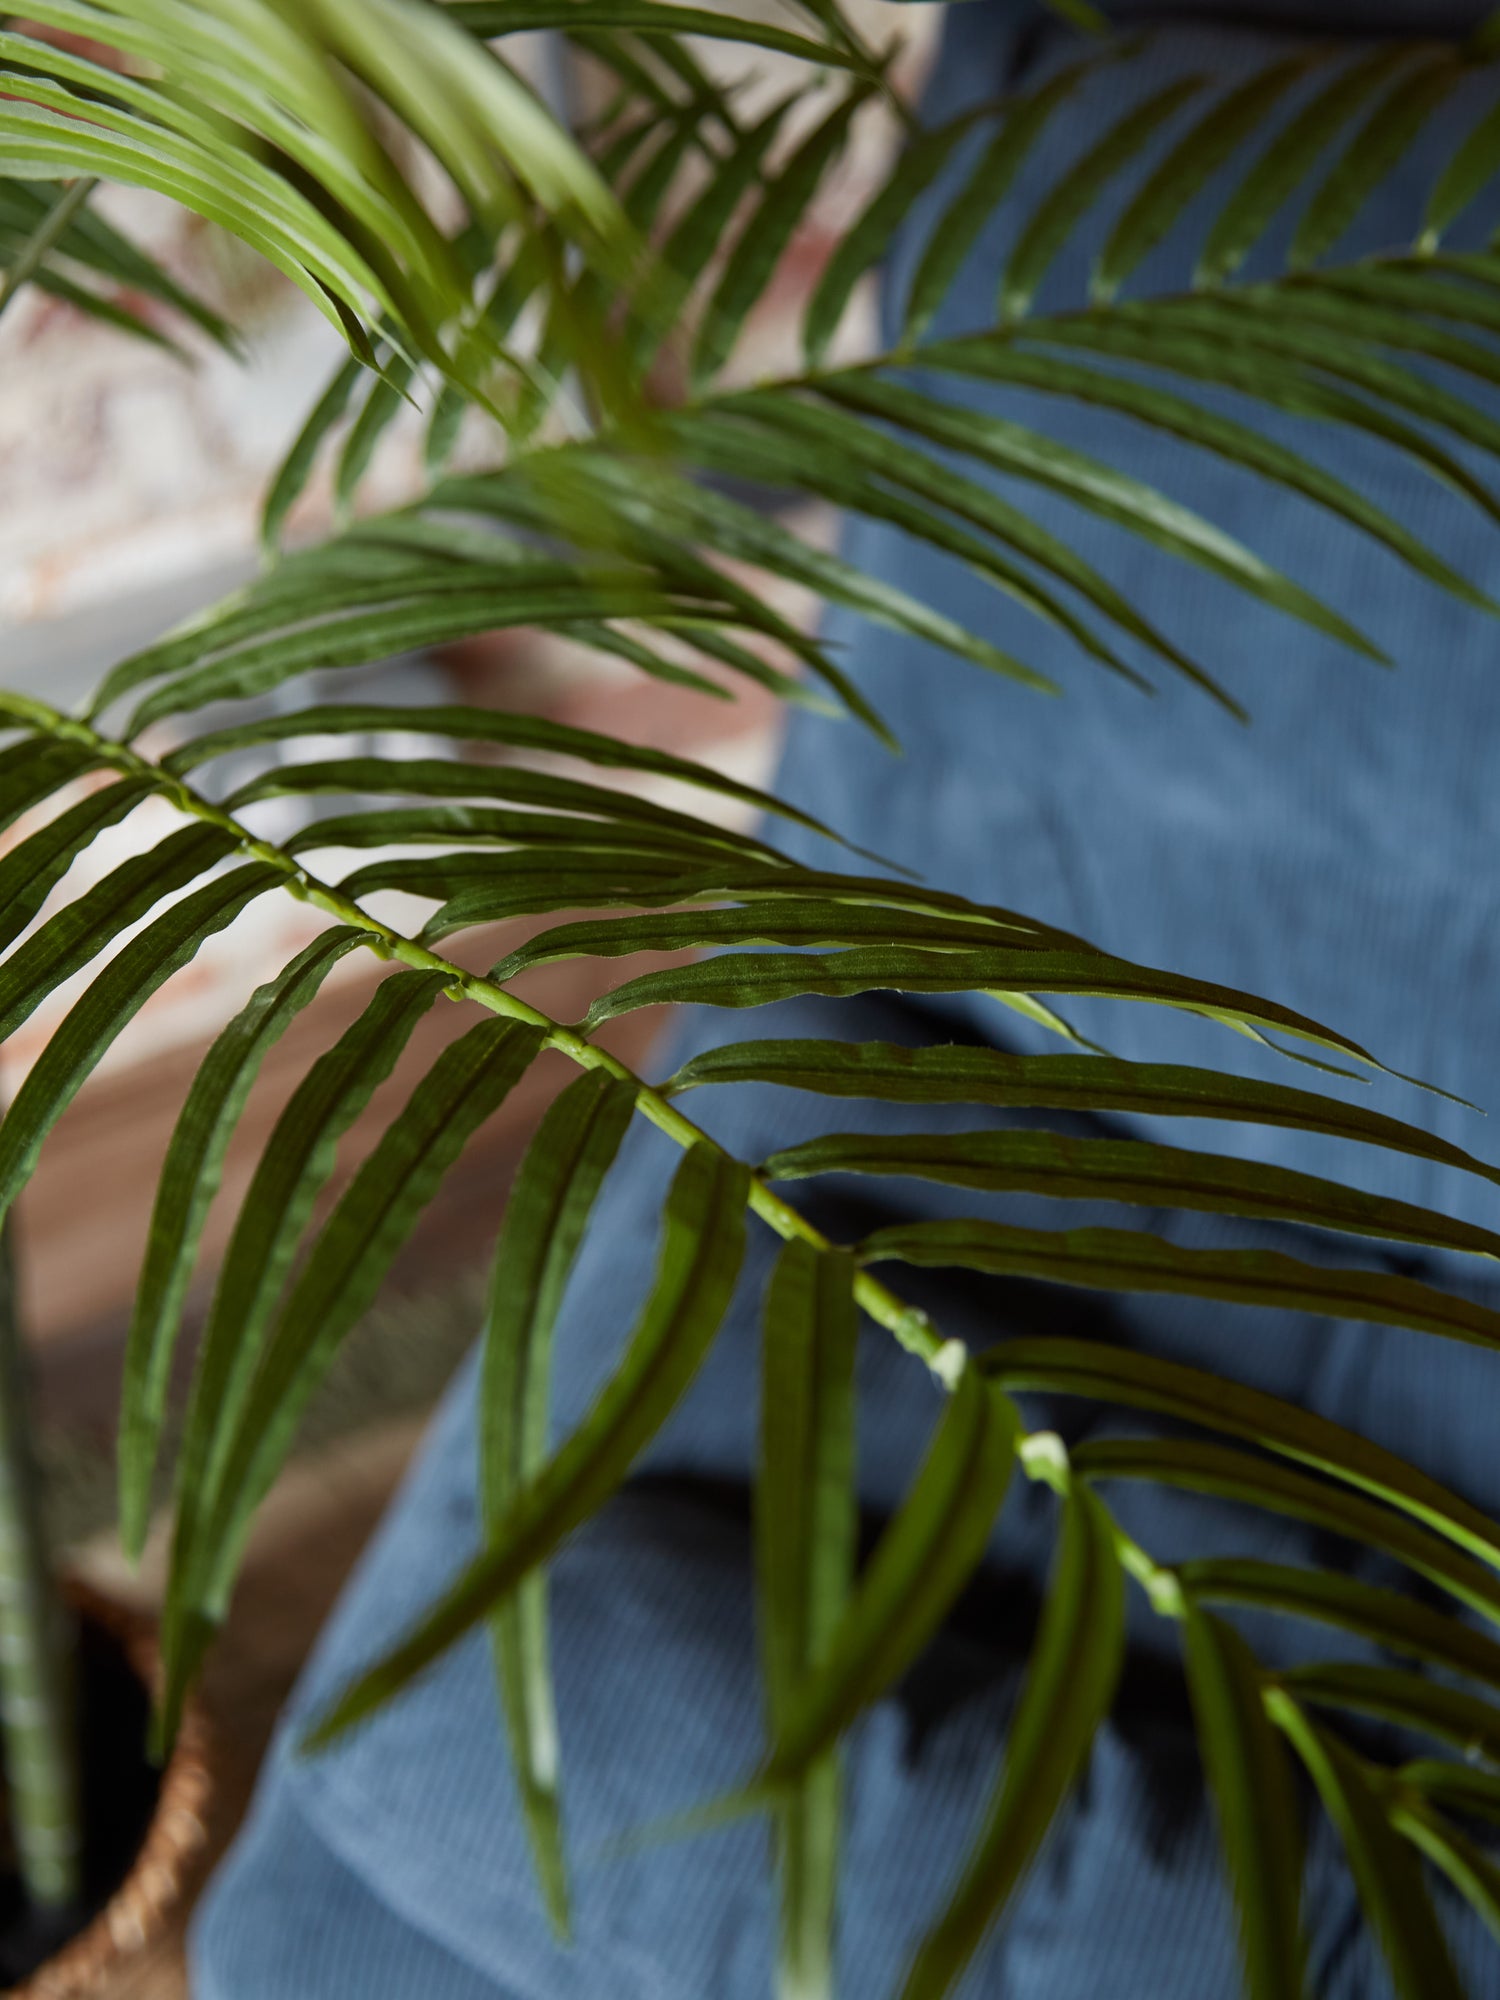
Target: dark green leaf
x=1069, y=1686
x=486, y=725
x=1064, y=206
x=348, y=1261
x=867, y=240
x=980, y=1075
x=1127, y=1170
x=1122, y=1260
x=807, y=1521
x=1374, y=153
x=1471, y=1871
x=755, y=979
x=292, y=474
x=1255, y=1804
x=957, y=230
x=1386, y=1618
x=782, y=207
x=1161, y=521
x=1289, y=159
x=79, y=932
x=1215, y=1403
x=1411, y=1700
x=1195, y=1467
x=295, y=1165
x=32, y=870
x=1464, y=1787
x=112, y=1001
x=1386, y=1872
x=1172, y=186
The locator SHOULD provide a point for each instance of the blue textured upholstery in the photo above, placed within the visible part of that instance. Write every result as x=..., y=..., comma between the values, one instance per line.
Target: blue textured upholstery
x=1339, y=854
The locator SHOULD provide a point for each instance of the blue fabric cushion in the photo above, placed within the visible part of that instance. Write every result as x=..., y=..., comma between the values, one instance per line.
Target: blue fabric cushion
x=1336, y=854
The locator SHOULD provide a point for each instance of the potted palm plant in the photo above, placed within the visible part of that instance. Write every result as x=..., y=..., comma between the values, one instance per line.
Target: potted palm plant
x=475, y=257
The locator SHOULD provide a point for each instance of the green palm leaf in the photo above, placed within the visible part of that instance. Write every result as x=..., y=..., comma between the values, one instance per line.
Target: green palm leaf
x=295, y=1165
x=701, y=1250
x=1412, y=1700
x=1385, y=1871
x=1127, y=1170
x=806, y=1518
x=1123, y=1260
x=895, y=1074
x=1385, y=1617
x=1215, y=1403
x=545, y=1219
x=1068, y=1689
x=1234, y=1475
x=189, y=1180
x=1255, y=1804
x=113, y=1000
x=920, y=1564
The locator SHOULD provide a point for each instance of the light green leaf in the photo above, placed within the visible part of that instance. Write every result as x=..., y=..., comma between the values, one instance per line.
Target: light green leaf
x=1069, y=1685
x=487, y=18
x=702, y=1246
x=546, y=1215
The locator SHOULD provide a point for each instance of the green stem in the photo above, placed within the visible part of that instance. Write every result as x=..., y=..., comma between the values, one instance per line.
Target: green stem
x=36, y=1682
x=47, y=234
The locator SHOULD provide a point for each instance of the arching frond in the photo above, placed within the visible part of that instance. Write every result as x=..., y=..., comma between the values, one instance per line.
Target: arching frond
x=644, y=522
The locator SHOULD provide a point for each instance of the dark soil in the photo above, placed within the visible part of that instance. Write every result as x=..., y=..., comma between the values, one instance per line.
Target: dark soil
x=119, y=1796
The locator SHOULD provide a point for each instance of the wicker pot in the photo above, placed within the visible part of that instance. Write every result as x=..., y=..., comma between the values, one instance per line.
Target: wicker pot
x=132, y=1911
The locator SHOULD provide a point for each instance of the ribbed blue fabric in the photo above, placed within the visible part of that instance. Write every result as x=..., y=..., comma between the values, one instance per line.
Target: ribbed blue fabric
x=1335, y=854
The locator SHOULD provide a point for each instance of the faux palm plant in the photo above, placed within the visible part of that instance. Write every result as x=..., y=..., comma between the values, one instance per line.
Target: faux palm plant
x=520, y=277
